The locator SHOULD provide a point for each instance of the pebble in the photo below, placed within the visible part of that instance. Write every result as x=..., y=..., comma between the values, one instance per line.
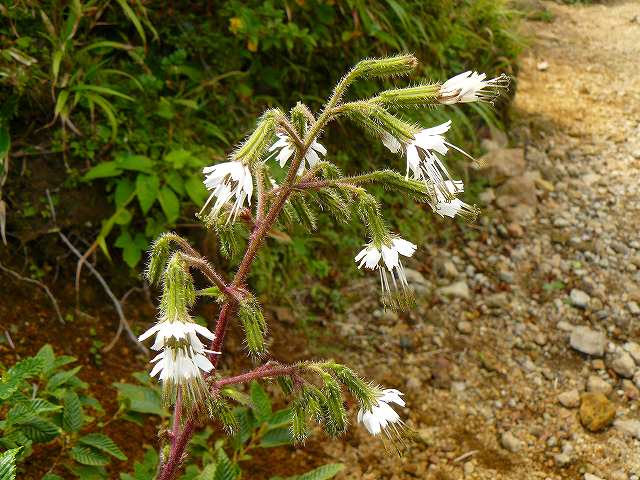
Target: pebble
x=596, y=411
x=458, y=290
x=510, y=442
x=588, y=341
x=570, y=398
x=579, y=298
x=634, y=350
x=596, y=384
x=590, y=476
x=515, y=230
x=633, y=308
x=628, y=426
x=465, y=327
x=623, y=364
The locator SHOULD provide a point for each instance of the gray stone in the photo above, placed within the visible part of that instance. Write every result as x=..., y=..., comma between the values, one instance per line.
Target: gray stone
x=465, y=327
x=570, y=398
x=506, y=277
x=596, y=384
x=488, y=196
x=497, y=300
x=447, y=269
x=623, y=364
x=628, y=426
x=588, y=341
x=457, y=290
x=634, y=350
x=590, y=476
x=633, y=308
x=510, y=442
x=579, y=298
x=499, y=165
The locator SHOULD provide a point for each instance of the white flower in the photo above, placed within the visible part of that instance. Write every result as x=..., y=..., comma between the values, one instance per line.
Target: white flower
x=447, y=205
x=470, y=87
x=287, y=149
x=391, y=142
x=228, y=180
x=182, y=359
x=391, y=269
x=383, y=418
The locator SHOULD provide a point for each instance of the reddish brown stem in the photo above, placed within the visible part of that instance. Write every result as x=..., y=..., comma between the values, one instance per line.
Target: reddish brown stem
x=260, y=372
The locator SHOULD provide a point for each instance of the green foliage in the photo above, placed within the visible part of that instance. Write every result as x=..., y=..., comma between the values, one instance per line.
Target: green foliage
x=148, y=115
x=8, y=464
x=44, y=403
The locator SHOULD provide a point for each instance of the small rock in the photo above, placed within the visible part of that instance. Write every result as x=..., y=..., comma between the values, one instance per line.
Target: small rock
x=598, y=364
x=596, y=384
x=447, y=269
x=636, y=379
x=630, y=390
x=596, y=411
x=497, y=300
x=623, y=365
x=565, y=326
x=562, y=459
x=590, y=476
x=570, y=398
x=633, y=308
x=515, y=230
x=465, y=327
x=628, y=426
x=543, y=66
x=588, y=341
x=458, y=289
x=499, y=165
x=510, y=442
x=506, y=277
x=579, y=298
x=468, y=468
x=634, y=350
x=488, y=196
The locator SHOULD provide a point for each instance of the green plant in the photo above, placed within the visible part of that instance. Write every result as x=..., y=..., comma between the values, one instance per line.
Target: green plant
x=223, y=458
x=43, y=403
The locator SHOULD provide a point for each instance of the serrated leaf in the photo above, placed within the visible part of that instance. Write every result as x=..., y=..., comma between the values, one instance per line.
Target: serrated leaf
x=196, y=190
x=40, y=430
x=324, y=472
x=140, y=399
x=280, y=418
x=59, y=379
x=87, y=472
x=169, y=203
x=8, y=464
x=103, y=170
x=276, y=437
x=104, y=443
x=88, y=456
x=16, y=375
x=147, y=189
x=261, y=402
x=72, y=415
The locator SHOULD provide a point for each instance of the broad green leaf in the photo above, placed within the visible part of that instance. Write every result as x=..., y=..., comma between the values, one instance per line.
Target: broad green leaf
x=88, y=472
x=276, y=437
x=103, y=170
x=175, y=181
x=72, y=416
x=169, y=203
x=138, y=163
x=88, y=456
x=280, y=418
x=101, y=90
x=124, y=190
x=140, y=399
x=145, y=470
x=123, y=216
x=261, y=402
x=12, y=379
x=8, y=464
x=177, y=158
x=132, y=248
x=147, y=190
x=40, y=430
x=60, y=378
x=324, y=472
x=104, y=443
x=196, y=190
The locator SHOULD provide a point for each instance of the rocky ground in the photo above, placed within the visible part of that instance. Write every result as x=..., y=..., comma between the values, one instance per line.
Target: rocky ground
x=521, y=361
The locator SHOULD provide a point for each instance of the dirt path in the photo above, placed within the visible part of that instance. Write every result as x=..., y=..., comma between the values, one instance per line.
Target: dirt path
x=493, y=385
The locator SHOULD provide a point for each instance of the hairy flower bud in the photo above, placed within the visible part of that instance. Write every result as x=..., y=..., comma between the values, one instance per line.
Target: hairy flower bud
x=418, y=96
x=254, y=147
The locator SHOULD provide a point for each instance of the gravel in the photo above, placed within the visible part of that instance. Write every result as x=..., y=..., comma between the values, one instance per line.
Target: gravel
x=588, y=341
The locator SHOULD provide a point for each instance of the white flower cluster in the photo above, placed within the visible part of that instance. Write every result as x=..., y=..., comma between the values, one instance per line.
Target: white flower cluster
x=182, y=358
x=382, y=417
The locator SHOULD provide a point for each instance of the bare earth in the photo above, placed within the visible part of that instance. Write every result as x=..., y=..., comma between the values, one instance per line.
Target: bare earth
x=485, y=357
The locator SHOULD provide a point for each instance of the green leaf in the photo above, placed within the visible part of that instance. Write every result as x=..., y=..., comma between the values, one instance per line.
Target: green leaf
x=196, y=190
x=102, y=170
x=138, y=163
x=5, y=143
x=170, y=204
x=324, y=472
x=8, y=464
x=276, y=437
x=88, y=456
x=178, y=158
x=104, y=443
x=21, y=371
x=132, y=248
x=280, y=418
x=261, y=402
x=147, y=189
x=175, y=181
x=72, y=416
x=140, y=399
x=52, y=476
x=101, y=90
x=60, y=378
x=87, y=472
x=134, y=19
x=124, y=190
x=145, y=470
x=40, y=430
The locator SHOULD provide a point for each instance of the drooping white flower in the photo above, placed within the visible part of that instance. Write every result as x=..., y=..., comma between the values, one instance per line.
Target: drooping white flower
x=392, y=274
x=182, y=360
x=226, y=181
x=446, y=205
x=287, y=149
x=471, y=87
x=382, y=417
